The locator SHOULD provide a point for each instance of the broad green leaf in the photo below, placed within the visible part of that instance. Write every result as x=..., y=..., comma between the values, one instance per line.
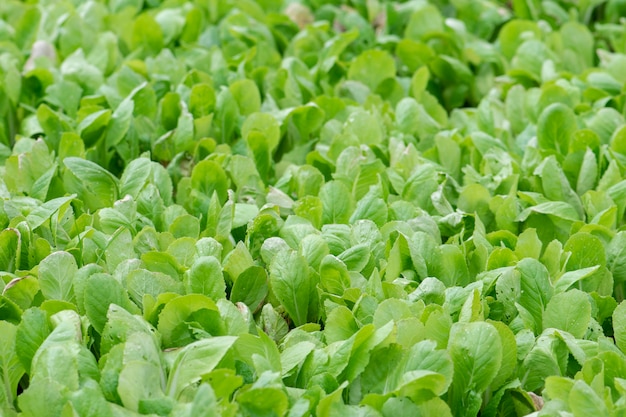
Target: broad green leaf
x=147, y=34
x=509, y=354
x=360, y=348
x=139, y=381
x=195, y=360
x=340, y=325
x=120, y=328
x=422, y=385
x=251, y=288
x=204, y=403
x=110, y=292
x=10, y=365
x=569, y=311
x=92, y=127
x=56, y=276
x=361, y=68
x=334, y=277
x=423, y=21
x=42, y=397
x=248, y=347
x=184, y=316
x=290, y=282
x=555, y=128
x=535, y=290
x=30, y=334
x=44, y=212
x=337, y=203
x=10, y=243
x=264, y=401
x=570, y=278
x=208, y=177
x=619, y=325
x=547, y=357
x=586, y=251
x=585, y=402
x=201, y=100
x=170, y=110
x=247, y=95
x=121, y=120
x=94, y=185
x=89, y=401
x=205, y=277
x=134, y=177
x=510, y=35
x=295, y=355
x=476, y=351
x=52, y=124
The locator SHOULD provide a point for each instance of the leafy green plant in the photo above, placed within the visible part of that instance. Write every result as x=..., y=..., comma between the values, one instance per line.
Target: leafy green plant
x=294, y=208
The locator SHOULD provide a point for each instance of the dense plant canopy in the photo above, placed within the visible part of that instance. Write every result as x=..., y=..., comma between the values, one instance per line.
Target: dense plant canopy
x=315, y=207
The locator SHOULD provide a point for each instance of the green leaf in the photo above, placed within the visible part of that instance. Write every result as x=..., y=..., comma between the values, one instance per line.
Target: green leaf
x=141, y=282
x=361, y=68
x=94, y=185
x=121, y=327
x=170, y=110
x=177, y=320
x=10, y=243
x=340, y=325
x=424, y=21
x=89, y=401
x=266, y=126
x=337, y=203
x=139, y=382
x=619, y=325
x=22, y=291
x=585, y=402
x=247, y=95
x=251, y=288
x=205, y=277
x=264, y=402
x=110, y=292
x=334, y=276
x=555, y=128
x=422, y=385
x=56, y=276
x=586, y=251
x=201, y=100
x=476, y=351
x=195, y=360
x=31, y=332
x=510, y=35
x=571, y=277
x=290, y=282
x=52, y=124
x=294, y=356
x=248, y=347
x=208, y=177
x=135, y=176
x=42, y=397
x=204, y=403
x=93, y=127
x=147, y=34
x=569, y=311
x=44, y=212
x=11, y=368
x=120, y=122
x=547, y=357
x=535, y=290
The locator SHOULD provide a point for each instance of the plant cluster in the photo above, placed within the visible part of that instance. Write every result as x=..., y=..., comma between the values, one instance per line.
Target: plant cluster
x=312, y=208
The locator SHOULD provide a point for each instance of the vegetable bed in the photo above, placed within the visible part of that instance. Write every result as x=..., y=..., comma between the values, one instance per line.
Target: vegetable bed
x=312, y=208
